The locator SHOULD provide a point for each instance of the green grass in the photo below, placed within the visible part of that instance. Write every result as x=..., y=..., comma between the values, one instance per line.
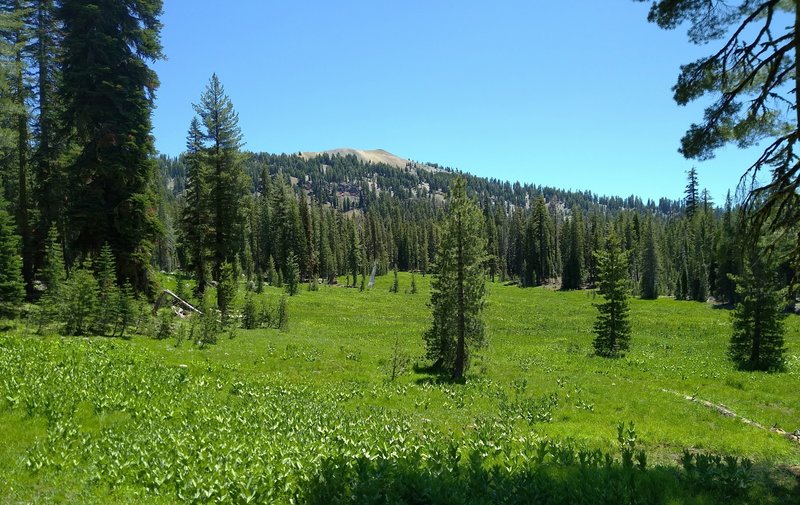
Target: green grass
x=327, y=370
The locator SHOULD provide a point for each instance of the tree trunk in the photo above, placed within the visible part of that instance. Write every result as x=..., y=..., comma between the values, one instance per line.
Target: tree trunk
x=23, y=219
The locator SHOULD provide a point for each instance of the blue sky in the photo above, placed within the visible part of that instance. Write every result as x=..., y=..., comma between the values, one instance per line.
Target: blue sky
x=573, y=94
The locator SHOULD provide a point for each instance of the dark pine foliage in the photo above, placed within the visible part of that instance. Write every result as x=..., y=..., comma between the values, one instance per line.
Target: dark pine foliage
x=613, y=327
x=108, y=91
x=457, y=291
x=757, y=340
x=11, y=283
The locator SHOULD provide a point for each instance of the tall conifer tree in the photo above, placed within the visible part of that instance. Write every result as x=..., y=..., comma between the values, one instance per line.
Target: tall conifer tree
x=757, y=340
x=197, y=219
x=223, y=140
x=649, y=261
x=572, y=272
x=613, y=327
x=457, y=291
x=109, y=92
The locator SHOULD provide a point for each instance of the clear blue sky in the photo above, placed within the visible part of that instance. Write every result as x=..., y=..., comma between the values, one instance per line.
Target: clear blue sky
x=572, y=94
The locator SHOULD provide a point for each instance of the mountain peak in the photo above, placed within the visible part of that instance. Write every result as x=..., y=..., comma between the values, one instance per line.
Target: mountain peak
x=366, y=156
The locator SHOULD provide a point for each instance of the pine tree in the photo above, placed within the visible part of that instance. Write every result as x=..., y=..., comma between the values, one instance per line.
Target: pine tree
x=729, y=253
x=12, y=286
x=572, y=273
x=105, y=273
x=249, y=313
x=757, y=340
x=292, y=275
x=272, y=274
x=78, y=301
x=457, y=291
x=413, y=284
x=109, y=91
x=223, y=140
x=49, y=179
x=395, y=287
x=540, y=245
x=197, y=220
x=226, y=289
x=612, y=328
x=53, y=273
x=749, y=86
x=19, y=35
x=354, y=255
x=649, y=261
x=124, y=309
x=691, y=192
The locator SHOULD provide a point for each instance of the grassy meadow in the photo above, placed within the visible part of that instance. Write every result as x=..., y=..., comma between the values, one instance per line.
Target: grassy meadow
x=308, y=414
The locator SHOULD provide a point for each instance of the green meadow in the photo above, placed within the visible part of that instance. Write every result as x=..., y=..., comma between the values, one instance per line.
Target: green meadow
x=309, y=414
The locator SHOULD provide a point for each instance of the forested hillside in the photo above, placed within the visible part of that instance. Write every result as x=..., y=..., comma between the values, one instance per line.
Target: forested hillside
x=331, y=211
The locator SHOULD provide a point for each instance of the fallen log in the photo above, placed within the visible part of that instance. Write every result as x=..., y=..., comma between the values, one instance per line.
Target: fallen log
x=725, y=411
x=166, y=294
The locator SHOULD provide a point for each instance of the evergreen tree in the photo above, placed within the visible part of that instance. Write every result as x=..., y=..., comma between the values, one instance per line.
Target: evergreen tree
x=105, y=273
x=49, y=178
x=612, y=328
x=20, y=35
x=457, y=291
x=197, y=220
x=124, y=306
x=540, y=244
x=572, y=273
x=395, y=287
x=692, y=193
x=757, y=340
x=108, y=91
x=413, y=284
x=12, y=286
x=53, y=273
x=292, y=275
x=753, y=85
x=226, y=289
x=354, y=256
x=78, y=302
x=227, y=186
x=272, y=274
x=649, y=260
x=729, y=253
x=249, y=313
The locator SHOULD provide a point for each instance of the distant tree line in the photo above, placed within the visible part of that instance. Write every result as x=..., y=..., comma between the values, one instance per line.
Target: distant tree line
x=337, y=217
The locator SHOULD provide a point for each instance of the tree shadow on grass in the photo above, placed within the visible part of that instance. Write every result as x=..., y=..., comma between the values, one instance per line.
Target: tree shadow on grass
x=419, y=481
x=435, y=374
